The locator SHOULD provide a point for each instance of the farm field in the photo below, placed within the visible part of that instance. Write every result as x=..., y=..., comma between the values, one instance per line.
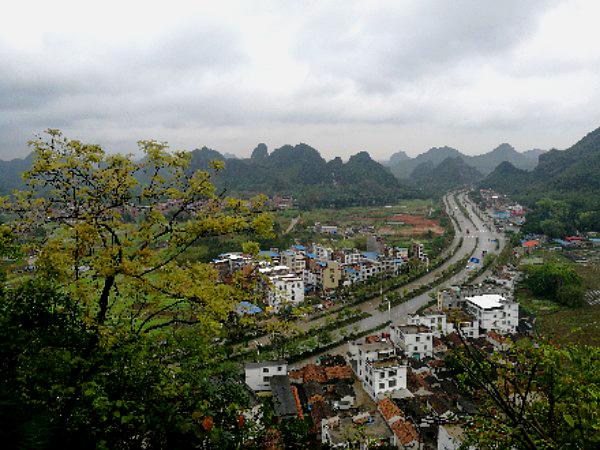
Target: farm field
x=399, y=224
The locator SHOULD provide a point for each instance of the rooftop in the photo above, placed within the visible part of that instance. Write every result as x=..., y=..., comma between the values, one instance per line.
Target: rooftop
x=413, y=329
x=487, y=301
x=283, y=398
x=261, y=364
x=394, y=361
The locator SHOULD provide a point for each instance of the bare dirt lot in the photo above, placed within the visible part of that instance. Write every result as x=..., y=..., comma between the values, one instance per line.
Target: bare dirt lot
x=417, y=224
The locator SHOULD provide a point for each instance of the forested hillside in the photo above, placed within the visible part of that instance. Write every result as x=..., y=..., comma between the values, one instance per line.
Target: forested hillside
x=301, y=171
x=298, y=170
x=450, y=173
x=564, y=189
x=403, y=167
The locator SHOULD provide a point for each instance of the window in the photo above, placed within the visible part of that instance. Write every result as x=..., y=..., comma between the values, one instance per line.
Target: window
x=417, y=339
x=279, y=369
x=392, y=373
x=416, y=348
x=266, y=379
x=392, y=383
x=265, y=370
x=381, y=385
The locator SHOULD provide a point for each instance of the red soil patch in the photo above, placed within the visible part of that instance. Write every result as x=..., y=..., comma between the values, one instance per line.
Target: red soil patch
x=419, y=224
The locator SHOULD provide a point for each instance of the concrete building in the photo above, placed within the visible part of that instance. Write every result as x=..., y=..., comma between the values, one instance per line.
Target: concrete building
x=418, y=251
x=436, y=323
x=378, y=366
x=285, y=288
x=415, y=340
x=331, y=275
x=295, y=260
x=494, y=312
x=258, y=375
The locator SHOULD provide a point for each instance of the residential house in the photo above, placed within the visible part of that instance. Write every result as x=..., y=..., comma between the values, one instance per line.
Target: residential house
x=285, y=287
x=415, y=340
x=378, y=365
x=258, y=375
x=494, y=312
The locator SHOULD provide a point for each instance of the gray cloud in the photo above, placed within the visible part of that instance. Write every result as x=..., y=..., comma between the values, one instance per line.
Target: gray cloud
x=345, y=76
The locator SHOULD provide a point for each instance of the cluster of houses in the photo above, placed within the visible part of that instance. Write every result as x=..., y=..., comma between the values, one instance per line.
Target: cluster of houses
x=394, y=388
x=506, y=213
x=290, y=274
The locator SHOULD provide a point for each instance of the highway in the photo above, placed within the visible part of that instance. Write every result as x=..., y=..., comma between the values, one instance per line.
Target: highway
x=470, y=246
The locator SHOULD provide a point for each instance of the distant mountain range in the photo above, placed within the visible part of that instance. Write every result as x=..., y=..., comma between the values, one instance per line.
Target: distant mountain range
x=450, y=173
x=300, y=170
x=402, y=165
x=576, y=169
x=11, y=171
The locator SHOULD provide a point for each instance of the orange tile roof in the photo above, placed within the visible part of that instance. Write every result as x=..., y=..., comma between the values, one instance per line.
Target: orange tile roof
x=405, y=431
x=315, y=373
x=496, y=337
x=338, y=372
x=389, y=409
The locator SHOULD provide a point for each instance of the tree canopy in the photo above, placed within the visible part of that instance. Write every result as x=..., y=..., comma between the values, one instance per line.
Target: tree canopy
x=110, y=343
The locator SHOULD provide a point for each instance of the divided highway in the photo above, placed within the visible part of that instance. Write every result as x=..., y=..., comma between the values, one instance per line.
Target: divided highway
x=480, y=238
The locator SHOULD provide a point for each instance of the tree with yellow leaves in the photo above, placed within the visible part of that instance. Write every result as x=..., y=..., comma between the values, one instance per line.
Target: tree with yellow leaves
x=111, y=343
x=112, y=231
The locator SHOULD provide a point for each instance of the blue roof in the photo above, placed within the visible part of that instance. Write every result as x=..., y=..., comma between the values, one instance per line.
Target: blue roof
x=299, y=247
x=474, y=260
x=268, y=253
x=289, y=252
x=594, y=240
x=370, y=255
x=311, y=255
x=398, y=261
x=322, y=264
x=247, y=308
x=351, y=270
x=562, y=242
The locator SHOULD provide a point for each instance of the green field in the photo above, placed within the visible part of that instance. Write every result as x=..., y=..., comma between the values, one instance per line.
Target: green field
x=566, y=325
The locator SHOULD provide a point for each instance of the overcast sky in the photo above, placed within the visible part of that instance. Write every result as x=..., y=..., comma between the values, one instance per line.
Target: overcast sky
x=342, y=76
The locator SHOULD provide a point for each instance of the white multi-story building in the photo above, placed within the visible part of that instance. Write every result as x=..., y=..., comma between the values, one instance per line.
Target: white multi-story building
x=436, y=323
x=415, y=340
x=440, y=324
x=258, y=375
x=285, y=287
x=494, y=312
x=378, y=366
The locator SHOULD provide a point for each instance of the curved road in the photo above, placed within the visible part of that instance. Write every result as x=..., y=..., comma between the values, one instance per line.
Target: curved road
x=470, y=246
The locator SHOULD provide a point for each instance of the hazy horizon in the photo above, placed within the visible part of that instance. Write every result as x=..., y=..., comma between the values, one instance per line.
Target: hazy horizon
x=342, y=77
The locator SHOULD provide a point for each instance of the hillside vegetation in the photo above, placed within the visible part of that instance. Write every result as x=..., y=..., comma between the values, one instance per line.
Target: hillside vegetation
x=563, y=190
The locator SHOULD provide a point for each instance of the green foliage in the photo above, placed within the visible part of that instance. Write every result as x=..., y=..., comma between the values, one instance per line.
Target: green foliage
x=563, y=190
x=556, y=282
x=532, y=396
x=449, y=174
x=61, y=389
x=116, y=242
x=115, y=348
x=302, y=172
